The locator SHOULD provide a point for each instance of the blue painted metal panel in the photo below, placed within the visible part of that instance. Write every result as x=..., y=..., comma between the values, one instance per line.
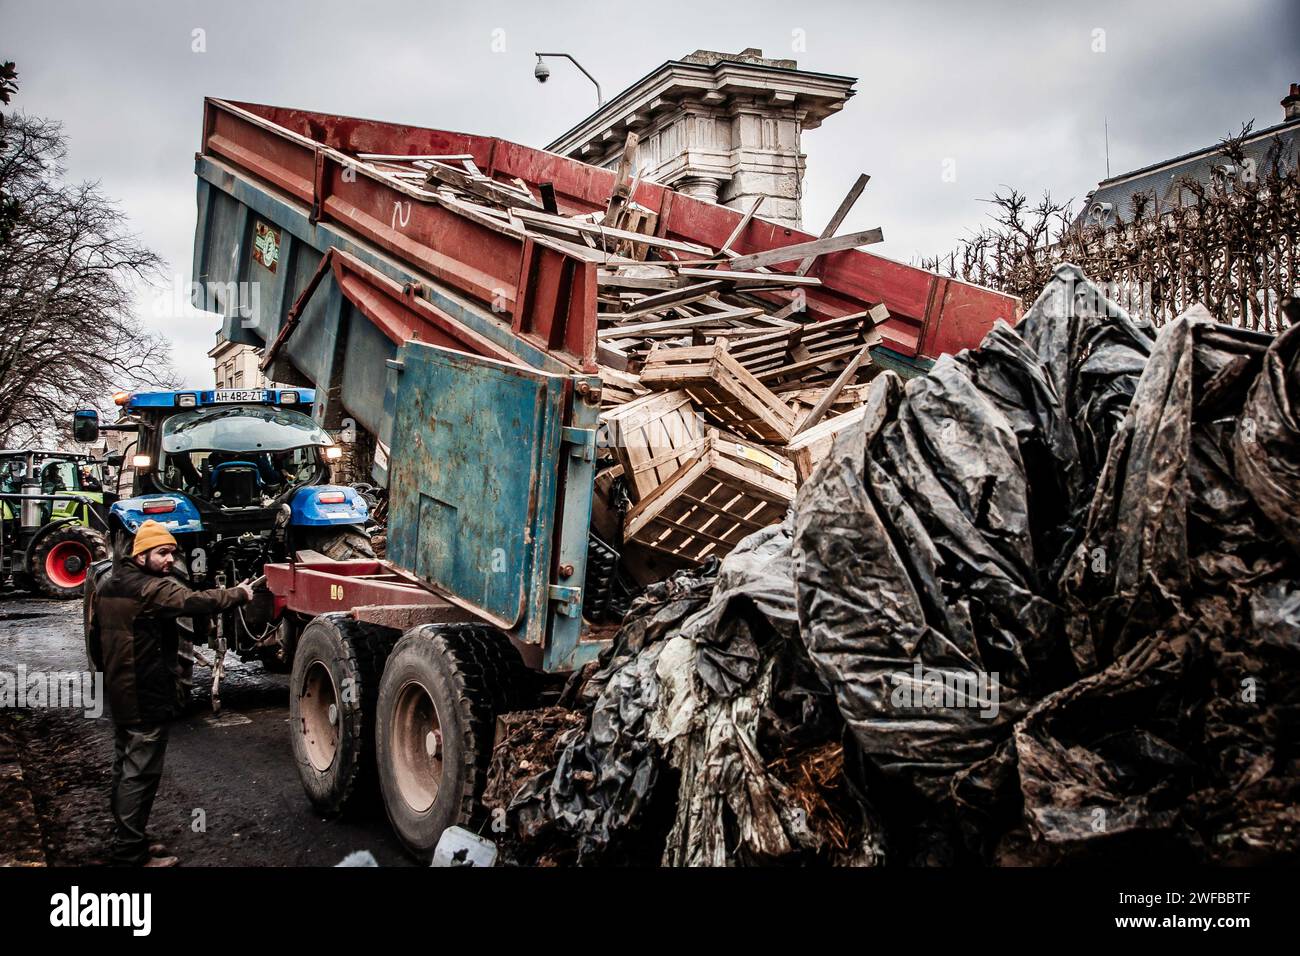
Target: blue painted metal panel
x=309, y=510
x=907, y=367
x=183, y=518
x=565, y=649
x=472, y=495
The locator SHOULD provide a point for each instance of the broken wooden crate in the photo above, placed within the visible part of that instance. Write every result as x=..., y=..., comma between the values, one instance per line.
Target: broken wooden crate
x=730, y=491
x=722, y=389
x=810, y=447
x=653, y=437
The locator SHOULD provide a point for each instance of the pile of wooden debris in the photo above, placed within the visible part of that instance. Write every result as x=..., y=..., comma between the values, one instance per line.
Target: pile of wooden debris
x=718, y=397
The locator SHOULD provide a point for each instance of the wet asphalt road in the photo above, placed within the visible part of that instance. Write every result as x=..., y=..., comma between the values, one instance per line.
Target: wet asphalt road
x=230, y=794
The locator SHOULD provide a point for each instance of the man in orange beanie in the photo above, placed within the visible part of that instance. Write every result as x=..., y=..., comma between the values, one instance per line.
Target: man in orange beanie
x=136, y=610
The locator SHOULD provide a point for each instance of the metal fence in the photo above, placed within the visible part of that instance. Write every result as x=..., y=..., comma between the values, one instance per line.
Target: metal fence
x=1230, y=245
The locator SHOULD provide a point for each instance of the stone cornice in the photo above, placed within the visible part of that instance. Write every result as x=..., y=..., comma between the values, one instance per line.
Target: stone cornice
x=723, y=85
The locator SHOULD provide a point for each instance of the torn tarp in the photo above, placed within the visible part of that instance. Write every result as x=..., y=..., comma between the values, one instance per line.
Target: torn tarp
x=1036, y=597
x=1044, y=599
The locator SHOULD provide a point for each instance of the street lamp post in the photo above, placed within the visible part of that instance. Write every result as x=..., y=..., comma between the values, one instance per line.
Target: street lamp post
x=542, y=72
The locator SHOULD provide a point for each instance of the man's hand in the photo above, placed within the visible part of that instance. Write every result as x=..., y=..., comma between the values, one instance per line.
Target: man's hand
x=247, y=588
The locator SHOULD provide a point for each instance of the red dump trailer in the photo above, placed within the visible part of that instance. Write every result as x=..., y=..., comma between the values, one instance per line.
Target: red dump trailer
x=469, y=348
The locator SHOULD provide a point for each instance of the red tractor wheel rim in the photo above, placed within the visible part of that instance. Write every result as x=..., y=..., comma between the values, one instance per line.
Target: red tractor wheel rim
x=66, y=564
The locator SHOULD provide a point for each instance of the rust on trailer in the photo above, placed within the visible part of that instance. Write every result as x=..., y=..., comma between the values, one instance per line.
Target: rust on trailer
x=547, y=291
x=321, y=586
x=403, y=617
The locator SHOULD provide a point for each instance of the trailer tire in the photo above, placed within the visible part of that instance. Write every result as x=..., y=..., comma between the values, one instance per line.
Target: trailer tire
x=62, y=557
x=342, y=543
x=332, y=692
x=442, y=689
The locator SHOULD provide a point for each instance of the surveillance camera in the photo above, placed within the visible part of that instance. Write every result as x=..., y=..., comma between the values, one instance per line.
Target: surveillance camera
x=541, y=71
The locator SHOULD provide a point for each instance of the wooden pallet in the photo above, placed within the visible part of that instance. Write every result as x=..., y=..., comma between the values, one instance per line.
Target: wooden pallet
x=730, y=491
x=653, y=437
x=722, y=389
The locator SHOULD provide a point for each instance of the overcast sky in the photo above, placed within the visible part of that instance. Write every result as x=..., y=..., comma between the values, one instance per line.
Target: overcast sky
x=1013, y=92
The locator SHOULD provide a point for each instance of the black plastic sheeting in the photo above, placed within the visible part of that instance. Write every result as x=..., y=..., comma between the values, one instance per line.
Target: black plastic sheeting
x=1049, y=595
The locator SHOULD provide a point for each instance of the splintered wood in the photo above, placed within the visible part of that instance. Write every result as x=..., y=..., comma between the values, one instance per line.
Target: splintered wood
x=720, y=393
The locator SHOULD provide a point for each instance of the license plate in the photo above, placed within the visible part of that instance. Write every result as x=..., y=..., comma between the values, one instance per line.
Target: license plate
x=239, y=395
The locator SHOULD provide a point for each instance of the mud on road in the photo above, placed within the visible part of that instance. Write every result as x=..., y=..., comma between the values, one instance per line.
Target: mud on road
x=230, y=794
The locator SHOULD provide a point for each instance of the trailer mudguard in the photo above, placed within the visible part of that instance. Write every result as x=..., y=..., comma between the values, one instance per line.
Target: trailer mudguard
x=180, y=518
x=323, y=505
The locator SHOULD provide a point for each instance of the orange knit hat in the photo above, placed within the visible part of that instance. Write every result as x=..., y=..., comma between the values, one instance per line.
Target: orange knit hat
x=151, y=535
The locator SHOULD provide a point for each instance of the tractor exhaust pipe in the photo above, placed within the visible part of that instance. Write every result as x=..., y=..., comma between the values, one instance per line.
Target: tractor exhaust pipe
x=30, y=512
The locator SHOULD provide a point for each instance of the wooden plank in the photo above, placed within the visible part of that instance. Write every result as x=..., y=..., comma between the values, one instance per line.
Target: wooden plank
x=622, y=182
x=815, y=444
x=845, y=205
x=823, y=406
x=682, y=296
x=778, y=278
x=637, y=283
x=615, y=358
x=740, y=226
x=480, y=186
x=594, y=229
x=799, y=250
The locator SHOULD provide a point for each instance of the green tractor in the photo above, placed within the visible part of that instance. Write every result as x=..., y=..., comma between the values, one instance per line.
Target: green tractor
x=54, y=520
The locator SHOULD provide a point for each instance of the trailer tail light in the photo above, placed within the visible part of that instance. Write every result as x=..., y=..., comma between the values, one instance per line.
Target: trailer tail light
x=333, y=453
x=161, y=506
x=331, y=497
x=141, y=462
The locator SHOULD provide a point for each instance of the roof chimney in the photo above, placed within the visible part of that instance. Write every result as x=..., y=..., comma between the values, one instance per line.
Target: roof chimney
x=1291, y=104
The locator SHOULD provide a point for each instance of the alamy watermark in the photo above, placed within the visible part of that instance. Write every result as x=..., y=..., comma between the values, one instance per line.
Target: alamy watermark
x=68, y=690
x=929, y=689
x=242, y=300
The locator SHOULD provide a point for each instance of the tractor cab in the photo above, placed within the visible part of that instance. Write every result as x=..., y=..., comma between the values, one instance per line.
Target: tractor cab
x=54, y=514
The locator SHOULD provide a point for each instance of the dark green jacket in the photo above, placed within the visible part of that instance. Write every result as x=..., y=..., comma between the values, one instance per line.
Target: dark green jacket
x=136, y=614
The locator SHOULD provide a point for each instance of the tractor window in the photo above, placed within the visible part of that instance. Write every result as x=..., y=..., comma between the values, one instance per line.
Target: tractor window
x=237, y=455
x=241, y=428
x=90, y=476
x=12, y=472
x=59, y=476
x=240, y=478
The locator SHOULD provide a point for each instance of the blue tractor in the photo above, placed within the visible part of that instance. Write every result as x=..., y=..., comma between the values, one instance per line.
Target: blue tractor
x=241, y=477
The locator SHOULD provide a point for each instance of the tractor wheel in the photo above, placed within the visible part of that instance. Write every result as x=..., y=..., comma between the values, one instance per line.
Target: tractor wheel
x=442, y=689
x=342, y=543
x=96, y=579
x=61, y=558
x=332, y=692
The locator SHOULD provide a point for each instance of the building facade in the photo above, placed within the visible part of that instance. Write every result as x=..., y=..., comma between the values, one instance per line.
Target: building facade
x=236, y=366
x=722, y=127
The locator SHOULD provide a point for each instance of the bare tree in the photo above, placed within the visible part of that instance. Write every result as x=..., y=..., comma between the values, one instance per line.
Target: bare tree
x=1011, y=253
x=69, y=270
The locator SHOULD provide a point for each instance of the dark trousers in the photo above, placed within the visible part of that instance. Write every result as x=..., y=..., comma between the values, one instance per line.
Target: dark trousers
x=137, y=768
